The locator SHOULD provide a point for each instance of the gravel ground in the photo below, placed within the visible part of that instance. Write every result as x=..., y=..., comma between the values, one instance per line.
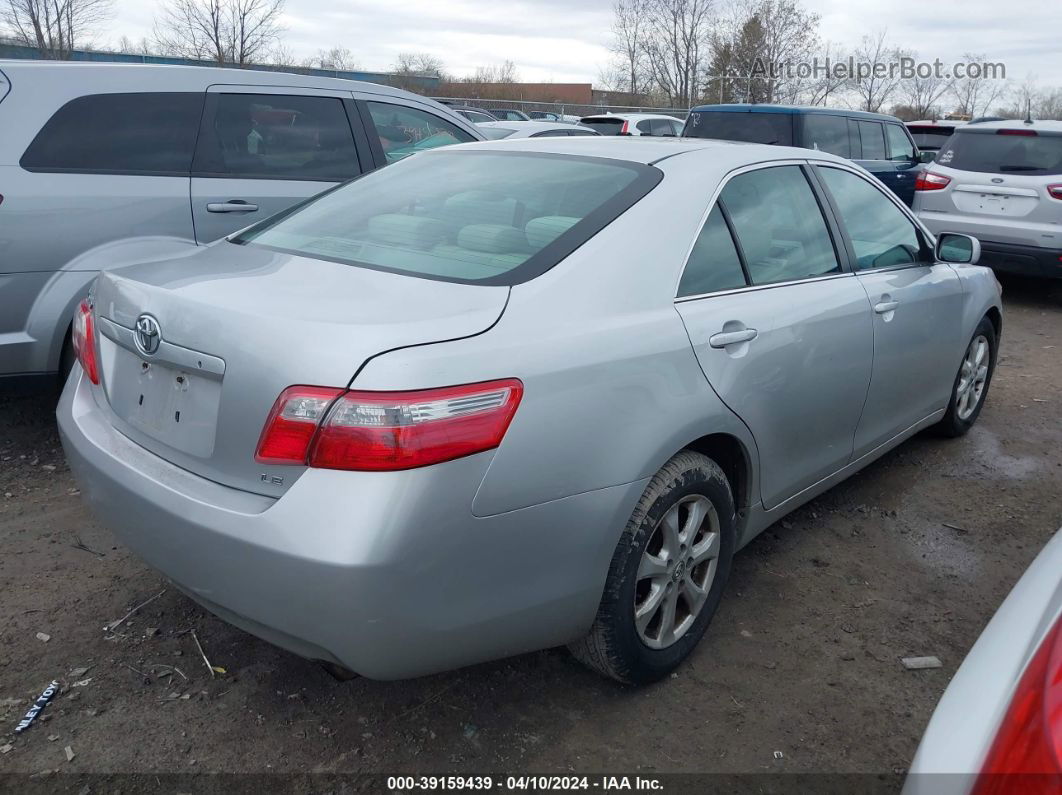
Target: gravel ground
x=910, y=557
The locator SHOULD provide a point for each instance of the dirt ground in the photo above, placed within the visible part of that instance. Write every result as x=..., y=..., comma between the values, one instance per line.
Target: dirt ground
x=910, y=557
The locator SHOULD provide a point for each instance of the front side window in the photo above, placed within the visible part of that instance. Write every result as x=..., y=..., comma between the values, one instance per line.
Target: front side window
x=779, y=225
x=826, y=134
x=403, y=130
x=900, y=146
x=881, y=234
x=468, y=216
x=714, y=263
x=873, y=140
x=278, y=136
x=150, y=133
x=752, y=127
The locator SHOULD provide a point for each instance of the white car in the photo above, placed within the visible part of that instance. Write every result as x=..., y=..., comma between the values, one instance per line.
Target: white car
x=635, y=124
x=495, y=130
x=998, y=726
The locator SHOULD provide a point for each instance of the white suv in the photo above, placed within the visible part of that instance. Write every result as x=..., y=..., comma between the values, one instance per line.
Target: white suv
x=634, y=124
x=1001, y=182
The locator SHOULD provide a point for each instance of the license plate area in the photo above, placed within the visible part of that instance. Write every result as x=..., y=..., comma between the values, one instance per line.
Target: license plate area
x=174, y=405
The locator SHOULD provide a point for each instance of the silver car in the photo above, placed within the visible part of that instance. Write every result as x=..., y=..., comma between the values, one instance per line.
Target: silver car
x=1001, y=182
x=512, y=395
x=103, y=164
x=998, y=727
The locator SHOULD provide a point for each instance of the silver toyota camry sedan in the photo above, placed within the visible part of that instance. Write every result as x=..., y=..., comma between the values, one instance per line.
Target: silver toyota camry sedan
x=520, y=394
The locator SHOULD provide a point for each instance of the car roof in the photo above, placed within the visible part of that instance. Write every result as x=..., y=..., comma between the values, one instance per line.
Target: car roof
x=534, y=124
x=1044, y=125
x=647, y=149
x=795, y=109
x=934, y=123
x=622, y=116
x=199, y=75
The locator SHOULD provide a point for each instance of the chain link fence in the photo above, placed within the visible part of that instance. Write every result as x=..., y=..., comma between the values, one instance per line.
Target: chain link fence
x=561, y=109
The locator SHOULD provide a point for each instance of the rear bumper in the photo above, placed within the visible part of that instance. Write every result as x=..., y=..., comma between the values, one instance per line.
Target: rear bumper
x=388, y=574
x=1022, y=260
x=1000, y=238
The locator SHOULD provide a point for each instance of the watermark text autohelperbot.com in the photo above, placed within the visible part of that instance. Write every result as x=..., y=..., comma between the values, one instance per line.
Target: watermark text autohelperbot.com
x=904, y=68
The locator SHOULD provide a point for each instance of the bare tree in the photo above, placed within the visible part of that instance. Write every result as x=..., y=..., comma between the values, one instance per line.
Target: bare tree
x=338, y=58
x=675, y=44
x=975, y=95
x=922, y=95
x=876, y=81
x=225, y=31
x=628, y=32
x=142, y=47
x=410, y=69
x=829, y=83
x=776, y=37
x=53, y=27
x=504, y=72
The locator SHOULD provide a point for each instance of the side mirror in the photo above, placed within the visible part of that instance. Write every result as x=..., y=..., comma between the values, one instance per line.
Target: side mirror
x=959, y=249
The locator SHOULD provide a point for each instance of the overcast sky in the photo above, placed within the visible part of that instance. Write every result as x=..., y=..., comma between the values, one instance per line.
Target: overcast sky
x=565, y=41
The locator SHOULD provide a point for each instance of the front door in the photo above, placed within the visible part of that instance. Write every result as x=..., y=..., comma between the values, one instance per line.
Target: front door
x=263, y=149
x=914, y=302
x=782, y=333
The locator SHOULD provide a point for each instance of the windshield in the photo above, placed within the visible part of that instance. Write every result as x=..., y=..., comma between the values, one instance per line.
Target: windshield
x=474, y=216
x=604, y=126
x=756, y=128
x=995, y=153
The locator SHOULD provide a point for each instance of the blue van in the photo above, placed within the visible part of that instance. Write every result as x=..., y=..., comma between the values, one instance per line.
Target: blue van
x=879, y=143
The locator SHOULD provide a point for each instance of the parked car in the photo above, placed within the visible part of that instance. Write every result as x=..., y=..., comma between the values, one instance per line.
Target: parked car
x=446, y=413
x=998, y=726
x=879, y=143
x=103, y=162
x=509, y=114
x=634, y=124
x=930, y=135
x=474, y=115
x=542, y=115
x=497, y=130
x=1001, y=182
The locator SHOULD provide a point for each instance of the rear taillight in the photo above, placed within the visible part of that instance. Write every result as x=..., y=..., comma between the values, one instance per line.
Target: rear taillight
x=626, y=128
x=84, y=341
x=1055, y=191
x=377, y=431
x=1026, y=755
x=927, y=180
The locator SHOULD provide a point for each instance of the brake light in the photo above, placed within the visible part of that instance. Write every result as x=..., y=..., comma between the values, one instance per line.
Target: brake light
x=379, y=431
x=1026, y=756
x=83, y=338
x=626, y=128
x=1016, y=132
x=927, y=180
x=1055, y=191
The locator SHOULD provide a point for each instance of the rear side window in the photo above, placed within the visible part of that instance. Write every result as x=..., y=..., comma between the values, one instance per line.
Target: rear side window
x=645, y=127
x=757, y=128
x=468, y=216
x=119, y=133
x=714, y=263
x=663, y=127
x=993, y=153
x=826, y=134
x=900, y=146
x=779, y=225
x=873, y=140
x=278, y=136
x=882, y=236
x=403, y=130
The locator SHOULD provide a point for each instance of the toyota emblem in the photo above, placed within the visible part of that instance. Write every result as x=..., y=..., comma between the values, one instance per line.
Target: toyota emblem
x=147, y=335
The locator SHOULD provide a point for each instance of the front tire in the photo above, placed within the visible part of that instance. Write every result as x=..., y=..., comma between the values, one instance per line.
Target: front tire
x=667, y=574
x=970, y=389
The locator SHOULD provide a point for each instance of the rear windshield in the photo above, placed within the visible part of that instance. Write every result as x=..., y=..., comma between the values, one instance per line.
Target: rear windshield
x=930, y=137
x=757, y=128
x=1003, y=154
x=475, y=216
x=605, y=126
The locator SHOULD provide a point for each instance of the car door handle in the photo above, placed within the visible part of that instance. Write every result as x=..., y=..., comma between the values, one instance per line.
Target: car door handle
x=724, y=338
x=233, y=206
x=885, y=306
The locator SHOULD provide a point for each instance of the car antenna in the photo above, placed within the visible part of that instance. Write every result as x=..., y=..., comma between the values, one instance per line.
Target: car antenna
x=1028, y=112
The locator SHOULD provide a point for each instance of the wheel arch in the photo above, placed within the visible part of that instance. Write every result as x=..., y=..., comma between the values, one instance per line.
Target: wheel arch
x=733, y=457
x=996, y=318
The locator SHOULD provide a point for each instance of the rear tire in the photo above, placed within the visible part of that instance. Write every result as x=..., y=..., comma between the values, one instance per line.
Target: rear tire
x=667, y=574
x=970, y=389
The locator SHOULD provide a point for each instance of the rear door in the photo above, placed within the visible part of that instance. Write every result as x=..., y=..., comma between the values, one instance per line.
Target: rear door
x=916, y=304
x=262, y=149
x=782, y=332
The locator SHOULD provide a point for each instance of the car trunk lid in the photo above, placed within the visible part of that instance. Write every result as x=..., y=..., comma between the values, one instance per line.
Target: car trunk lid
x=195, y=350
